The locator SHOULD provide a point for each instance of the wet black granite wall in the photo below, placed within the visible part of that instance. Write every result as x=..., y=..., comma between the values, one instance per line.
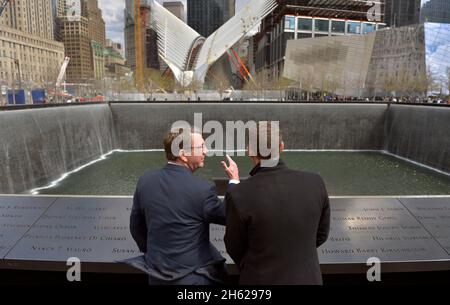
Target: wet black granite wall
x=39, y=145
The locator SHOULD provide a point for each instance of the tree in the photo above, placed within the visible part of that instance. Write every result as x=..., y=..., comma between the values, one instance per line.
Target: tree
x=448, y=83
x=431, y=81
x=221, y=83
x=282, y=84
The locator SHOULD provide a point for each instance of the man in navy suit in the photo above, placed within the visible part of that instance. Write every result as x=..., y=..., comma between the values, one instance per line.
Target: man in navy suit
x=171, y=213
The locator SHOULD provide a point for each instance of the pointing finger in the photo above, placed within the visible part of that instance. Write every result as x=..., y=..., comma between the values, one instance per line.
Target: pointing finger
x=229, y=159
x=224, y=165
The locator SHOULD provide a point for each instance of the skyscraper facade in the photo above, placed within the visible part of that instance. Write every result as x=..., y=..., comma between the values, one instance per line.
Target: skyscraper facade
x=130, y=43
x=437, y=11
x=97, y=30
x=31, y=16
x=410, y=12
x=206, y=16
x=402, y=12
x=27, y=45
x=84, y=39
x=149, y=47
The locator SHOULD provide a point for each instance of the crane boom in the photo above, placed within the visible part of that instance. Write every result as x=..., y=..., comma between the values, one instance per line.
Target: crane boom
x=138, y=43
x=62, y=72
x=3, y=5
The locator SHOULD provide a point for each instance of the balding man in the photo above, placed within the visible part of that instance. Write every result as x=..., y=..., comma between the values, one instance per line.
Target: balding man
x=171, y=214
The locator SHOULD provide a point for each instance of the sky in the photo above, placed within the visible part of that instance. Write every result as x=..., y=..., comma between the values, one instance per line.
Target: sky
x=437, y=43
x=113, y=14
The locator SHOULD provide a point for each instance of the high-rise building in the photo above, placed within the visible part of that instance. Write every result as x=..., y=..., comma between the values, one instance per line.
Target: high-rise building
x=97, y=30
x=31, y=16
x=176, y=8
x=59, y=7
x=77, y=42
x=410, y=12
x=206, y=16
x=437, y=11
x=403, y=61
x=59, y=10
x=298, y=19
x=26, y=44
x=402, y=12
x=84, y=40
x=114, y=60
x=130, y=42
x=149, y=49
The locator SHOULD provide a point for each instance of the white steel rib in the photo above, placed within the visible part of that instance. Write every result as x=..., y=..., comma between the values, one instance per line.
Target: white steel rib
x=176, y=40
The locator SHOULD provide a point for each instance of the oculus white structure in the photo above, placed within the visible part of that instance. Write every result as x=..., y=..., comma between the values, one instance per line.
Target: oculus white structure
x=187, y=53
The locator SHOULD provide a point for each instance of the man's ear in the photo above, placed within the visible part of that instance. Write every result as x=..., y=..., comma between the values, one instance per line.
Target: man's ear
x=182, y=155
x=281, y=147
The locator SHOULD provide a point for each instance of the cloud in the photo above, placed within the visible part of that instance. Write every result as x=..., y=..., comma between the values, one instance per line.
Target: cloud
x=113, y=15
x=437, y=38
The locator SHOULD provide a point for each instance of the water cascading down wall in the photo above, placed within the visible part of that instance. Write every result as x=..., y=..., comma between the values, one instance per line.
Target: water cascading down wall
x=39, y=145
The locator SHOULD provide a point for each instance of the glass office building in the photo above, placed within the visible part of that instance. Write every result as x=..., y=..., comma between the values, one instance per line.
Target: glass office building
x=308, y=27
x=436, y=11
x=206, y=16
x=302, y=19
x=408, y=12
x=404, y=61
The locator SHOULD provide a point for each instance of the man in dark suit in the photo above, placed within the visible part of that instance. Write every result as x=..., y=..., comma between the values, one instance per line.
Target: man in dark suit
x=171, y=213
x=276, y=219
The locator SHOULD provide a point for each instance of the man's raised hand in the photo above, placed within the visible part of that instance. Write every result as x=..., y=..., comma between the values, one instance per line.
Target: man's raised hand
x=232, y=169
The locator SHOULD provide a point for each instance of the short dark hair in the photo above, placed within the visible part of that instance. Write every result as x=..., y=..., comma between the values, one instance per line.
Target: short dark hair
x=168, y=140
x=265, y=130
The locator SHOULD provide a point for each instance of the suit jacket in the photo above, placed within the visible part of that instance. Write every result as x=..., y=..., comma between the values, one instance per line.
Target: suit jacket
x=276, y=219
x=169, y=221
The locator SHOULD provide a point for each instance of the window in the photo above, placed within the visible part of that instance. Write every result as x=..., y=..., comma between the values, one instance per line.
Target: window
x=321, y=25
x=369, y=27
x=305, y=24
x=289, y=23
x=353, y=27
x=337, y=26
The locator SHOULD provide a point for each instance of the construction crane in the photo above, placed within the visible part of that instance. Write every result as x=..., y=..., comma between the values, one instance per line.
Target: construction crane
x=62, y=72
x=139, y=74
x=3, y=5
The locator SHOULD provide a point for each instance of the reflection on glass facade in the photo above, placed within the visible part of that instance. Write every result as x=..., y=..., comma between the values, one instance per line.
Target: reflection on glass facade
x=353, y=27
x=305, y=24
x=337, y=26
x=289, y=23
x=368, y=28
x=437, y=11
x=206, y=16
x=437, y=52
x=321, y=25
